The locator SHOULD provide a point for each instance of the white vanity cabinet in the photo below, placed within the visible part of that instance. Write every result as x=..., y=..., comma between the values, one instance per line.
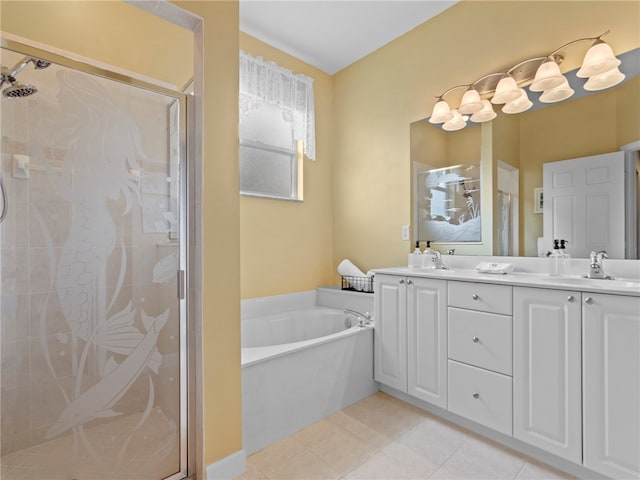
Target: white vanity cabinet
x=410, y=336
x=535, y=358
x=427, y=340
x=611, y=384
x=480, y=353
x=390, y=345
x=547, y=370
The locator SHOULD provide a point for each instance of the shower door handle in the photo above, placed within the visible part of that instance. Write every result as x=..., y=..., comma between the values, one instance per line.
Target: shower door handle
x=181, y=285
x=5, y=201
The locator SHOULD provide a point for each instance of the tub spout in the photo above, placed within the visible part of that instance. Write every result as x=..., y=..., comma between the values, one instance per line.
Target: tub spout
x=363, y=318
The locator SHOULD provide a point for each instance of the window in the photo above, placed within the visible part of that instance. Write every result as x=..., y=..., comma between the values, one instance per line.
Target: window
x=277, y=129
x=270, y=161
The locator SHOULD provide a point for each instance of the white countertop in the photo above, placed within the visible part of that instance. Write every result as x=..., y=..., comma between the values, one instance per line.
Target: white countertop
x=619, y=286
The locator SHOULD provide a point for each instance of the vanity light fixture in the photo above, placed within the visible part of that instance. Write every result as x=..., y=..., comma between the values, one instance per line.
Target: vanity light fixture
x=457, y=122
x=441, y=112
x=485, y=114
x=519, y=105
x=471, y=102
x=507, y=90
x=541, y=74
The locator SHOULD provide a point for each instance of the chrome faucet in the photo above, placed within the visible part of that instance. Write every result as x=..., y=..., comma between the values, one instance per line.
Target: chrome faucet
x=596, y=269
x=363, y=318
x=437, y=261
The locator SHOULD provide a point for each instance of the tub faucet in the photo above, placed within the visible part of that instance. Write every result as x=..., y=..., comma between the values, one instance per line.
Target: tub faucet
x=363, y=318
x=437, y=261
x=596, y=269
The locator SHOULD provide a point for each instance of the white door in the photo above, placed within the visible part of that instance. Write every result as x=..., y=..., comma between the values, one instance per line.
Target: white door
x=390, y=307
x=584, y=204
x=546, y=370
x=611, y=352
x=427, y=340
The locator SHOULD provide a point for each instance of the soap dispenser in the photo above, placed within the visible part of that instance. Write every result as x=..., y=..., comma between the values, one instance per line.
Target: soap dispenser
x=556, y=260
x=415, y=258
x=427, y=256
x=565, y=260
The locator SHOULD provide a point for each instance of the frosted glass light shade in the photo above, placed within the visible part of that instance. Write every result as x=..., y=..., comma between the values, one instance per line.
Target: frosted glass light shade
x=519, y=105
x=547, y=76
x=484, y=115
x=557, y=94
x=441, y=113
x=456, y=123
x=604, y=80
x=506, y=90
x=471, y=102
x=599, y=59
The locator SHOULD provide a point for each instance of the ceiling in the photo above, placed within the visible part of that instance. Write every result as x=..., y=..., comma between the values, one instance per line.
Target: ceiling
x=331, y=35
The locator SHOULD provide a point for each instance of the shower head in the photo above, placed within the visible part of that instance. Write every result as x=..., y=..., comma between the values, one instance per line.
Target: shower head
x=17, y=90
x=37, y=64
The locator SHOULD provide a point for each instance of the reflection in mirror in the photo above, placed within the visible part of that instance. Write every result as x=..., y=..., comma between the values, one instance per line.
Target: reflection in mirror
x=449, y=204
x=512, y=150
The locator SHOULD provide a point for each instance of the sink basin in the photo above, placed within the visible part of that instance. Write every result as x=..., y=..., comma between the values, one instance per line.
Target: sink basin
x=594, y=282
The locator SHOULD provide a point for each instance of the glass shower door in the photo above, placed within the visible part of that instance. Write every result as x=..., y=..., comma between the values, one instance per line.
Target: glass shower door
x=93, y=378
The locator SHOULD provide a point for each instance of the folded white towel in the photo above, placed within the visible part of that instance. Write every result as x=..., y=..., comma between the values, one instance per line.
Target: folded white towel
x=497, y=268
x=348, y=269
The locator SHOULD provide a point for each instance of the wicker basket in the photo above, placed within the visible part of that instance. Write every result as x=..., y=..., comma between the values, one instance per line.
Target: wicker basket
x=357, y=284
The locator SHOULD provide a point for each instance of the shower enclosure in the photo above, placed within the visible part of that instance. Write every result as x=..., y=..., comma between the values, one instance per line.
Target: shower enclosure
x=92, y=257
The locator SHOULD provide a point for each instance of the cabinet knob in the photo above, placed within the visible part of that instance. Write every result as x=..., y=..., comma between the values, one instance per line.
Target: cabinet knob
x=475, y=296
x=475, y=339
x=571, y=299
x=476, y=395
x=588, y=300
x=400, y=281
x=409, y=282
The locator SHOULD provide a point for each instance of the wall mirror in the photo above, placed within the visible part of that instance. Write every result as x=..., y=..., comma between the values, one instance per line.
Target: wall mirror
x=511, y=151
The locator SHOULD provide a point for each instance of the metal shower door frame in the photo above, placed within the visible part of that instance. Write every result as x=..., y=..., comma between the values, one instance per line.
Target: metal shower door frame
x=187, y=355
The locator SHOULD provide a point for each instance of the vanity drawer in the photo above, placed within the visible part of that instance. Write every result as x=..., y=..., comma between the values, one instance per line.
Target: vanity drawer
x=481, y=339
x=480, y=395
x=484, y=297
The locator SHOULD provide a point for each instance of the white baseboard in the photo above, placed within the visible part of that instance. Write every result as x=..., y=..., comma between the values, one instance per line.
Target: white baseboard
x=229, y=467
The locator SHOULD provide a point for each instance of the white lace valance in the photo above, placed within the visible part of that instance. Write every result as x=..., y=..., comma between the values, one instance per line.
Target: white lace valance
x=262, y=81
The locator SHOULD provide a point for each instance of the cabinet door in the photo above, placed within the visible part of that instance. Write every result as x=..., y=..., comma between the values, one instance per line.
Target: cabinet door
x=427, y=340
x=611, y=376
x=391, y=331
x=546, y=370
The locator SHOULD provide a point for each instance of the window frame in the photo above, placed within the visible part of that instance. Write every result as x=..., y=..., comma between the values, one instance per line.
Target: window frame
x=296, y=155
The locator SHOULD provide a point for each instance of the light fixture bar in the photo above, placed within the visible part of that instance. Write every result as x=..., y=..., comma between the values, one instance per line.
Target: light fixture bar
x=541, y=74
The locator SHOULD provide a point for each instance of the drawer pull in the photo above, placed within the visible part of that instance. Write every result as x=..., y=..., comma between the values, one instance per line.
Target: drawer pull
x=476, y=395
x=475, y=339
x=588, y=300
x=571, y=299
x=400, y=281
x=409, y=282
x=475, y=296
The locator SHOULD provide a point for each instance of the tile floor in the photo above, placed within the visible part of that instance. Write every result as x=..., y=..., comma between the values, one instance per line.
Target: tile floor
x=381, y=437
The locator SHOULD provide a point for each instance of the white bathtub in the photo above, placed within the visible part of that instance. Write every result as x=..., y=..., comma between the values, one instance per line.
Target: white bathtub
x=322, y=368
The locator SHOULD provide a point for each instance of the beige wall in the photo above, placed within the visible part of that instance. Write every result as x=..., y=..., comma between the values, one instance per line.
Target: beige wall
x=113, y=32
x=377, y=98
x=287, y=246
